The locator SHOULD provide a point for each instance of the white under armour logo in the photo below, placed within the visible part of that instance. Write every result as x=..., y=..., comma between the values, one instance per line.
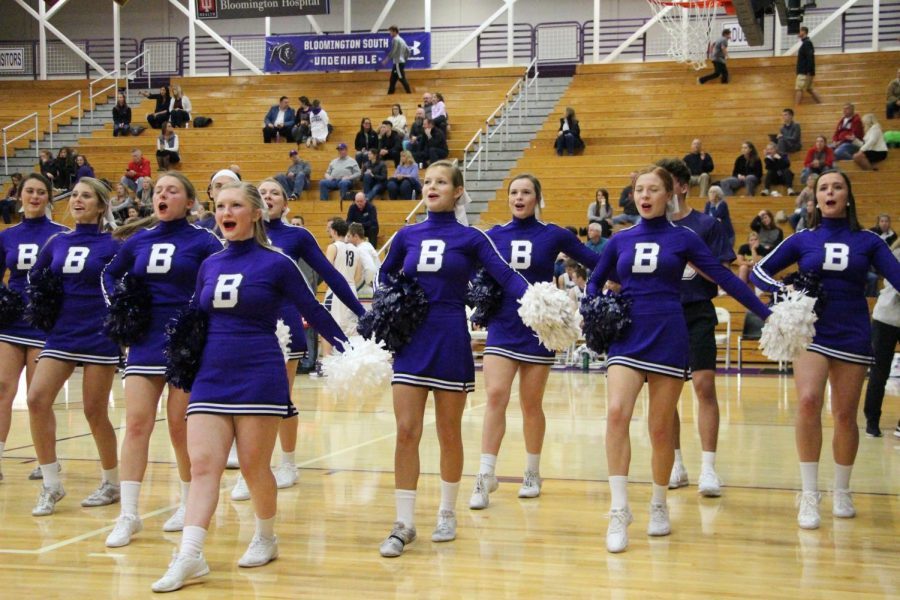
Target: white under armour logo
x=414, y=49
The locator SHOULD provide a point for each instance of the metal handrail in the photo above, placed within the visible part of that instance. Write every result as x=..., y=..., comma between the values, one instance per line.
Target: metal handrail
x=475, y=141
x=51, y=117
x=411, y=214
x=6, y=142
x=127, y=75
x=92, y=94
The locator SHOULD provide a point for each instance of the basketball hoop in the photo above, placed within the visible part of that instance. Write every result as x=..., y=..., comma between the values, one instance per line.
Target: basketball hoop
x=689, y=25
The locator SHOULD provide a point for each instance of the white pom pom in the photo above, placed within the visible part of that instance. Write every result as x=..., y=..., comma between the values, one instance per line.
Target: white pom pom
x=283, y=333
x=551, y=314
x=362, y=369
x=791, y=327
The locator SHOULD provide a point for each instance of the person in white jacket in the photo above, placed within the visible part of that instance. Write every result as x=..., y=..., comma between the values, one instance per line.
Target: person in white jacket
x=179, y=108
x=318, y=125
x=874, y=148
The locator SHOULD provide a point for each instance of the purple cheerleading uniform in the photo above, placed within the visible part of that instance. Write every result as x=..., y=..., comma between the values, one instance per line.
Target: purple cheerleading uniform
x=19, y=247
x=166, y=258
x=79, y=256
x=530, y=247
x=242, y=368
x=842, y=259
x=299, y=243
x=649, y=261
x=442, y=254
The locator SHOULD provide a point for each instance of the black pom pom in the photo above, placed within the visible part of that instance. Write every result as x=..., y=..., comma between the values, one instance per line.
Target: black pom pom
x=12, y=306
x=811, y=283
x=129, y=312
x=398, y=308
x=186, y=334
x=45, y=296
x=484, y=295
x=606, y=319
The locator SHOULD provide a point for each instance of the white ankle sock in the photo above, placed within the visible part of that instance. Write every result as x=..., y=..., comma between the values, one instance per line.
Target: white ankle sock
x=618, y=487
x=678, y=459
x=809, y=476
x=265, y=528
x=406, y=506
x=533, y=462
x=51, y=474
x=185, y=488
x=192, y=539
x=449, y=492
x=2, y=448
x=488, y=464
x=111, y=475
x=659, y=494
x=842, y=476
x=287, y=458
x=130, y=491
x=709, y=461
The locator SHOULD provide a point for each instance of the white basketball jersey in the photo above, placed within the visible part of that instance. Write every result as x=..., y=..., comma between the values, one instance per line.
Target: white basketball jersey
x=345, y=261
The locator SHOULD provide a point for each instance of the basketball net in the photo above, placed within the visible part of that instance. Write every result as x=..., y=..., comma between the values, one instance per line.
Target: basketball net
x=689, y=26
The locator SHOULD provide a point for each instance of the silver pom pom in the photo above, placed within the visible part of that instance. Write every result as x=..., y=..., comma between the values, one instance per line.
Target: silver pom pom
x=283, y=333
x=362, y=369
x=551, y=314
x=791, y=327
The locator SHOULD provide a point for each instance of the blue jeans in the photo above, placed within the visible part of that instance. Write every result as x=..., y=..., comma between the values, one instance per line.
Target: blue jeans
x=405, y=188
x=845, y=151
x=372, y=187
x=293, y=187
x=566, y=142
x=326, y=185
x=730, y=185
x=623, y=218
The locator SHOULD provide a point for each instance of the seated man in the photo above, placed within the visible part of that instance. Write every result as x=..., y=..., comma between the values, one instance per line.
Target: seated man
x=596, y=241
x=342, y=173
x=848, y=134
x=390, y=143
x=788, y=138
x=279, y=120
x=364, y=212
x=819, y=158
x=296, y=178
x=778, y=171
x=434, y=146
x=136, y=171
x=701, y=165
x=893, y=97
x=630, y=213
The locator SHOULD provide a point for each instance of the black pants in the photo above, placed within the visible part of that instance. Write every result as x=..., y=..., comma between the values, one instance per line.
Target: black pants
x=785, y=177
x=720, y=71
x=156, y=121
x=884, y=339
x=398, y=72
x=269, y=133
x=178, y=118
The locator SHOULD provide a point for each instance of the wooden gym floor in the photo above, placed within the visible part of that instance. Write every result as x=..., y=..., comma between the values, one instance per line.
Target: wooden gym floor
x=745, y=544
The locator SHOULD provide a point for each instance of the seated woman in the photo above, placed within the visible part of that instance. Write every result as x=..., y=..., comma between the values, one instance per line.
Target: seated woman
x=806, y=194
x=405, y=183
x=600, y=211
x=818, y=159
x=121, y=114
x=167, y=148
x=568, y=138
x=398, y=119
x=8, y=204
x=747, y=171
x=120, y=201
x=717, y=208
x=874, y=149
x=366, y=139
x=179, y=108
x=747, y=256
x=160, y=112
x=82, y=168
x=770, y=235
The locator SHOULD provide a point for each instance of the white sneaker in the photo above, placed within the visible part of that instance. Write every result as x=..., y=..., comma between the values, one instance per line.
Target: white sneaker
x=659, y=519
x=126, y=526
x=176, y=521
x=261, y=551
x=679, y=476
x=776, y=194
x=106, y=494
x=285, y=475
x=47, y=500
x=400, y=536
x=485, y=484
x=617, y=532
x=531, y=485
x=36, y=472
x=232, y=462
x=182, y=568
x=240, y=491
x=808, y=515
x=709, y=484
x=445, y=531
x=791, y=192
x=842, y=505
x=764, y=193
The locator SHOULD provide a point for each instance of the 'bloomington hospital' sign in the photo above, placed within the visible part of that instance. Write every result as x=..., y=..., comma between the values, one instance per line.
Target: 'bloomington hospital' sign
x=253, y=9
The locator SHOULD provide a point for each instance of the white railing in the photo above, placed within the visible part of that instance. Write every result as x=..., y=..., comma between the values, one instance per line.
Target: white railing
x=53, y=117
x=129, y=75
x=114, y=75
x=406, y=221
x=6, y=142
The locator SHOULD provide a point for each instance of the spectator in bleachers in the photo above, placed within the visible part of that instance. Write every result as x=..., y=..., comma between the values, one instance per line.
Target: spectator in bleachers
x=626, y=203
x=374, y=178
x=718, y=54
x=318, y=125
x=434, y=146
x=398, y=119
x=366, y=139
x=179, y=108
x=121, y=116
x=568, y=136
x=806, y=194
x=717, y=207
x=297, y=177
x=701, y=165
x=746, y=173
x=747, y=256
x=808, y=210
x=893, y=97
x=398, y=55
x=120, y=201
x=595, y=241
x=413, y=141
x=788, y=138
x=405, y=181
x=818, y=158
x=82, y=168
x=342, y=173
x=427, y=103
x=144, y=197
x=390, y=143
x=279, y=121
x=160, y=113
x=848, y=134
x=132, y=216
x=873, y=149
x=301, y=131
x=778, y=172
x=136, y=170
x=8, y=204
x=363, y=211
x=65, y=164
x=770, y=235
x=297, y=221
x=439, y=115
x=883, y=229
x=806, y=68
x=600, y=211
x=167, y=148
x=50, y=169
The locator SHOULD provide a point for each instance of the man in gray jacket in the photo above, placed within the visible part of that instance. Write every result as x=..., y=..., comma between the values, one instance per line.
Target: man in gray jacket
x=398, y=54
x=296, y=179
x=341, y=174
x=788, y=139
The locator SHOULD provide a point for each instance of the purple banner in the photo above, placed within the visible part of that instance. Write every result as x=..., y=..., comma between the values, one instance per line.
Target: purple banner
x=345, y=52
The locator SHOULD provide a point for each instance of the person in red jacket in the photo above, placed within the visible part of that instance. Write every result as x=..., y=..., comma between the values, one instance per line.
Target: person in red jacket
x=137, y=169
x=818, y=158
x=848, y=134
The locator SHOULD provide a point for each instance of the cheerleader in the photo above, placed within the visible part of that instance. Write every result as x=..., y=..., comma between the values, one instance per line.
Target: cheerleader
x=299, y=244
x=20, y=342
x=649, y=260
x=165, y=257
x=241, y=389
x=441, y=254
x=841, y=252
x=78, y=257
x=530, y=247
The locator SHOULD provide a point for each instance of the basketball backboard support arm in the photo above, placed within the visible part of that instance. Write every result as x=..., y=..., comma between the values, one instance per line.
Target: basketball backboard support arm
x=832, y=18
